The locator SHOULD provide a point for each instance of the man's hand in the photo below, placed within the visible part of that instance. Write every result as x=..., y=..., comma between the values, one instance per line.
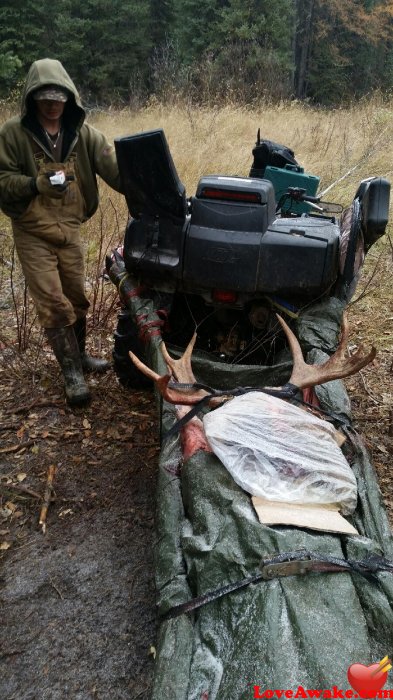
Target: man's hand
x=44, y=186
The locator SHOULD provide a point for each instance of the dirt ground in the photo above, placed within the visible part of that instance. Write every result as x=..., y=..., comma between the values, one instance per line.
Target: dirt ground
x=78, y=618
x=77, y=603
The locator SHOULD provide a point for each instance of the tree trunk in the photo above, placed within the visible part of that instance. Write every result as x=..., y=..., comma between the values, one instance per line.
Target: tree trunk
x=304, y=12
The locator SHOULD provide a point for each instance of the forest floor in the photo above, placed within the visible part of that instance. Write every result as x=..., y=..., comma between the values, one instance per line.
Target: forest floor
x=78, y=619
x=77, y=602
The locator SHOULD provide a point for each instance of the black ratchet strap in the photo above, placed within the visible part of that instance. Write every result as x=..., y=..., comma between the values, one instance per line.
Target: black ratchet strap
x=288, y=391
x=297, y=563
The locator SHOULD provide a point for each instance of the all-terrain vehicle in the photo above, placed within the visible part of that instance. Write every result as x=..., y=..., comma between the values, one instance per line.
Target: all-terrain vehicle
x=249, y=601
x=226, y=259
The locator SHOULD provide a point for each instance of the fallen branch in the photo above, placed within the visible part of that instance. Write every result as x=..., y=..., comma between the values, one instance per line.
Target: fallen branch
x=38, y=403
x=16, y=448
x=47, y=497
x=9, y=426
x=368, y=391
x=20, y=489
x=58, y=591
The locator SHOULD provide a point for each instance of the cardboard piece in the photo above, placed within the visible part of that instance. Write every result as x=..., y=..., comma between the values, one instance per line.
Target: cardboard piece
x=324, y=518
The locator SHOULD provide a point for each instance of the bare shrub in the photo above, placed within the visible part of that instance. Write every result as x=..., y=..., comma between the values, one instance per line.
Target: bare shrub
x=103, y=234
x=241, y=73
x=22, y=341
x=170, y=78
x=245, y=73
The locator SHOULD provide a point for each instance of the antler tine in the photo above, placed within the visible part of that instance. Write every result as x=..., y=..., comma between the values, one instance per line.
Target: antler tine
x=181, y=368
x=162, y=381
x=337, y=366
x=182, y=372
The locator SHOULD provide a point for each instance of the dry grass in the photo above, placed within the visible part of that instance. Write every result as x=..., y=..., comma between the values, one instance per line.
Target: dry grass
x=205, y=141
x=326, y=142
x=329, y=143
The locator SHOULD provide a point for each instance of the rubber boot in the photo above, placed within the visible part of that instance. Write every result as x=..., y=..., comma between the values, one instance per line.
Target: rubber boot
x=89, y=363
x=65, y=347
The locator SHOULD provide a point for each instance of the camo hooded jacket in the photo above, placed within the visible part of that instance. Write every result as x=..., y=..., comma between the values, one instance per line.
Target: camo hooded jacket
x=21, y=138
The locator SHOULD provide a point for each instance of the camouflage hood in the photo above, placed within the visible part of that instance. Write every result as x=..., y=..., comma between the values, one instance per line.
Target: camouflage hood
x=48, y=71
x=18, y=162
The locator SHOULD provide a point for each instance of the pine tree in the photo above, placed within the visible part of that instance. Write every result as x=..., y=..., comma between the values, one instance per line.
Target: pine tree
x=26, y=33
x=348, y=47
x=107, y=46
x=161, y=20
x=196, y=23
x=253, y=44
x=104, y=46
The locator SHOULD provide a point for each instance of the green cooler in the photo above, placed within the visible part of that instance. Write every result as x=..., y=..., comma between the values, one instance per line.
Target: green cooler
x=292, y=176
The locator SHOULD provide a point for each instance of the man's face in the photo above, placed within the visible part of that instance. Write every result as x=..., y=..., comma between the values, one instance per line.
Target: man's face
x=50, y=109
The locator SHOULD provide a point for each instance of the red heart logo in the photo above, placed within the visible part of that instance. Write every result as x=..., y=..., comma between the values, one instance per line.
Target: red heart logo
x=367, y=680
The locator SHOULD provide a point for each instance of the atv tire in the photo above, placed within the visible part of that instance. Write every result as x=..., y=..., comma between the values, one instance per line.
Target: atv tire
x=126, y=339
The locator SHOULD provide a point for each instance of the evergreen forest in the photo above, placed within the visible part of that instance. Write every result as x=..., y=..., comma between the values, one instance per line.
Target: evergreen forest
x=209, y=51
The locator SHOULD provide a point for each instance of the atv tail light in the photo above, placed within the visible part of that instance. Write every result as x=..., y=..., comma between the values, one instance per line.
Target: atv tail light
x=223, y=296
x=232, y=195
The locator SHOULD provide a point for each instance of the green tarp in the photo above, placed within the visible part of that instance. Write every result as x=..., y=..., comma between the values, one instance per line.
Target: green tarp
x=280, y=634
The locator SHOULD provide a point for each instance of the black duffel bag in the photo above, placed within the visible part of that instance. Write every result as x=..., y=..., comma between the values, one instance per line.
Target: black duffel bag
x=270, y=153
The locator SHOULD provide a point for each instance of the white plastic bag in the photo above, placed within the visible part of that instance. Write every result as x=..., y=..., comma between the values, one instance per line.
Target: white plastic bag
x=280, y=452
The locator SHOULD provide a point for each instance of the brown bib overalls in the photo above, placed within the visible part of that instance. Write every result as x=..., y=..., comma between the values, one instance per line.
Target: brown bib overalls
x=47, y=240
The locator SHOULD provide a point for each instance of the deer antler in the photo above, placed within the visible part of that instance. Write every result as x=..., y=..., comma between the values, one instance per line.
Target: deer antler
x=192, y=433
x=337, y=366
x=181, y=371
x=303, y=375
